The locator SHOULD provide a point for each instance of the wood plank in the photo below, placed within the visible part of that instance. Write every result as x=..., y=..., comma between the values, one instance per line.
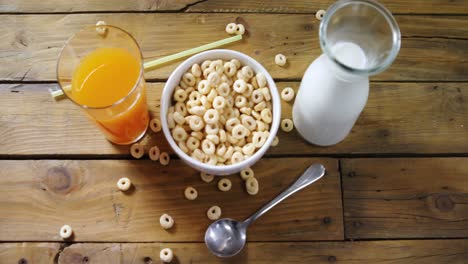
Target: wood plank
x=268, y=6
x=431, y=50
x=403, y=252
x=24, y=253
x=38, y=197
x=401, y=198
x=422, y=118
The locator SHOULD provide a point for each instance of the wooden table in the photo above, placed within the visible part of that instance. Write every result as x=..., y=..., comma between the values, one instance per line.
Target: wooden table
x=396, y=189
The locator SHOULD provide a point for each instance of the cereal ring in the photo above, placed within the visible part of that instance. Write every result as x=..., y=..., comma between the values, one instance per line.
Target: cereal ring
x=214, y=78
x=287, y=94
x=248, y=90
x=124, y=184
x=198, y=155
x=166, y=255
x=230, y=69
x=258, y=139
x=180, y=95
x=170, y=120
x=166, y=221
x=101, y=28
x=247, y=72
x=319, y=15
x=208, y=147
x=222, y=135
x=155, y=125
x=178, y=118
x=66, y=231
x=213, y=138
x=181, y=108
x=251, y=184
x=280, y=60
x=194, y=97
x=183, y=147
x=221, y=150
x=189, y=79
x=217, y=66
x=261, y=80
x=204, y=86
x=275, y=142
x=240, y=86
x=246, y=110
x=206, y=177
x=196, y=123
x=249, y=122
x=164, y=158
x=154, y=153
x=237, y=157
x=266, y=115
x=196, y=70
x=205, y=65
x=190, y=193
x=183, y=85
x=193, y=143
x=231, y=123
x=239, y=131
x=229, y=152
x=241, y=76
x=179, y=133
x=260, y=125
x=260, y=106
x=212, y=129
x=223, y=89
x=137, y=150
x=231, y=28
x=240, y=101
x=266, y=93
x=211, y=96
x=237, y=63
x=198, y=110
x=247, y=173
x=224, y=185
x=211, y=116
x=219, y=102
x=248, y=149
x=197, y=134
x=254, y=82
x=257, y=96
x=240, y=29
x=207, y=72
x=214, y=213
x=210, y=160
x=287, y=125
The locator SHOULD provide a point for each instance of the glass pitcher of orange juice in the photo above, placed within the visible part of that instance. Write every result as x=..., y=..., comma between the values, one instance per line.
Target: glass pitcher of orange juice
x=100, y=69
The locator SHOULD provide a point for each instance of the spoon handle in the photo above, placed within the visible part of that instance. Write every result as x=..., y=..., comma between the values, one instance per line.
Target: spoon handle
x=312, y=174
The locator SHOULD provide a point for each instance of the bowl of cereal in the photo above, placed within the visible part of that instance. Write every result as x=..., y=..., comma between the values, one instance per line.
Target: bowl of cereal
x=220, y=111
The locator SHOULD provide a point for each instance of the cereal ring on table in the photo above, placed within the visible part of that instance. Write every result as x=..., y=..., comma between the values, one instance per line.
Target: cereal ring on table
x=257, y=96
x=251, y=185
x=183, y=147
x=210, y=159
x=211, y=116
x=137, y=150
x=179, y=133
x=258, y=139
x=254, y=82
x=166, y=221
x=178, y=118
x=236, y=62
x=213, y=138
x=240, y=101
x=212, y=95
x=237, y=157
x=222, y=135
x=206, y=177
x=154, y=153
x=166, y=255
x=280, y=59
x=205, y=65
x=196, y=123
x=170, y=120
x=181, y=108
x=247, y=72
x=240, y=29
x=214, y=213
x=247, y=173
x=231, y=123
x=275, y=142
x=164, y=158
x=66, y=232
x=101, y=28
x=197, y=134
x=223, y=89
x=180, y=95
x=198, y=155
x=249, y=122
x=240, y=86
x=204, y=86
x=246, y=110
x=208, y=147
x=221, y=150
x=287, y=94
x=266, y=115
x=214, y=78
x=229, y=152
x=230, y=69
x=155, y=125
x=261, y=80
x=248, y=149
x=212, y=129
x=219, y=102
x=319, y=15
x=239, y=131
x=224, y=185
x=248, y=90
x=193, y=143
x=287, y=125
x=124, y=184
x=196, y=70
x=189, y=79
x=217, y=66
x=231, y=28
x=260, y=106
x=190, y=193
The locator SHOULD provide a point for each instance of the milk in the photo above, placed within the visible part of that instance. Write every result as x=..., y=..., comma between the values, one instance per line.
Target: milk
x=330, y=99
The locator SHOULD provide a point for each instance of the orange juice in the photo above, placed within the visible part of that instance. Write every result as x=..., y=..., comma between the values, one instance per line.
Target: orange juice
x=109, y=78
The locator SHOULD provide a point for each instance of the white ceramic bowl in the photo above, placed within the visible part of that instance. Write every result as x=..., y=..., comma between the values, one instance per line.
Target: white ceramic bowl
x=166, y=100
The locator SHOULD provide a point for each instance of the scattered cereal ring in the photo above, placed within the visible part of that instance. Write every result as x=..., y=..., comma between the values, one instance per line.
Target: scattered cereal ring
x=164, y=158
x=190, y=193
x=287, y=125
x=206, y=177
x=166, y=255
x=166, y=221
x=154, y=153
x=214, y=213
x=155, y=125
x=224, y=185
x=247, y=173
x=280, y=60
x=287, y=94
x=101, y=28
x=251, y=184
x=124, y=184
x=240, y=29
x=275, y=142
x=137, y=150
x=319, y=15
x=231, y=28
x=66, y=231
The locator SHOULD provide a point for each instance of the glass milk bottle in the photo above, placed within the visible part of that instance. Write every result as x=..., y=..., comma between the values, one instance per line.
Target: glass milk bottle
x=359, y=38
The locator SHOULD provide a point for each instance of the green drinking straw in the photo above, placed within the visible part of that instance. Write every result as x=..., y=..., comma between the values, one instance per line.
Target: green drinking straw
x=57, y=93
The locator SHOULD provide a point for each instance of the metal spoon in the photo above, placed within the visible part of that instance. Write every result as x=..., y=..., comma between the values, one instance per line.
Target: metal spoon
x=226, y=237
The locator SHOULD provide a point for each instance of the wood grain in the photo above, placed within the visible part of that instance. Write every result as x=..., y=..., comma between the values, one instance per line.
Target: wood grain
x=402, y=198
x=422, y=118
x=434, y=48
x=38, y=197
x=24, y=253
x=265, y=6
